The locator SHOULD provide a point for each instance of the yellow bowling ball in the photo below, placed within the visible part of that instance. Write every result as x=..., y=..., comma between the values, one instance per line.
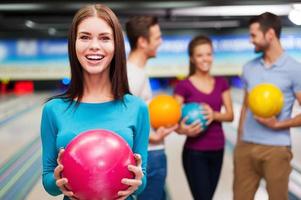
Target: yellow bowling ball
x=164, y=111
x=265, y=100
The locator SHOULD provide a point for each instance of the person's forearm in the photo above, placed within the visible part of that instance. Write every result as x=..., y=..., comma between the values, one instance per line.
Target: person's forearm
x=155, y=138
x=241, y=122
x=242, y=117
x=288, y=123
x=223, y=117
x=50, y=185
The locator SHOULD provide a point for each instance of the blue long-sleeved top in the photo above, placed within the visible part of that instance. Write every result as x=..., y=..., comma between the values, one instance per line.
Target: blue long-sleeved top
x=60, y=124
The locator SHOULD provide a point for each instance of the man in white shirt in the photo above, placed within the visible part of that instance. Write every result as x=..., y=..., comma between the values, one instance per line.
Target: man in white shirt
x=144, y=36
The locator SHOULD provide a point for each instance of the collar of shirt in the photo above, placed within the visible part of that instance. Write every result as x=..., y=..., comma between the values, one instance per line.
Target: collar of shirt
x=279, y=62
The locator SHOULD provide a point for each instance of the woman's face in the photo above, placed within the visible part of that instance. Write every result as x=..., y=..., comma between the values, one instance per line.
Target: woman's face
x=202, y=57
x=94, y=45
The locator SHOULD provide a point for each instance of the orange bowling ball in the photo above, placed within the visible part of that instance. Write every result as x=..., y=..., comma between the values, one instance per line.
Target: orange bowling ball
x=164, y=111
x=265, y=100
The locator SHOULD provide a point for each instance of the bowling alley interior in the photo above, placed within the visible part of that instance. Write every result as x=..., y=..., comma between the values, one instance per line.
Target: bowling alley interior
x=35, y=66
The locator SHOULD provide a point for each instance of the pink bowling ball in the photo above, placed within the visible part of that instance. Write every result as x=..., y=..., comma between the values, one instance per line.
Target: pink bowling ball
x=95, y=162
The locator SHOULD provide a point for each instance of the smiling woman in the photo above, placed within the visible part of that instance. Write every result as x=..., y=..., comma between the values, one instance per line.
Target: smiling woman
x=94, y=46
x=96, y=30
x=97, y=98
x=204, y=146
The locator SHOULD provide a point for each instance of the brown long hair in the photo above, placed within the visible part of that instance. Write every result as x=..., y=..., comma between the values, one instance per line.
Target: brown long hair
x=198, y=40
x=118, y=74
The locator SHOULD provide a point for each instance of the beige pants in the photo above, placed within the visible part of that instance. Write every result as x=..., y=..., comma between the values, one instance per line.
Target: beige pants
x=253, y=162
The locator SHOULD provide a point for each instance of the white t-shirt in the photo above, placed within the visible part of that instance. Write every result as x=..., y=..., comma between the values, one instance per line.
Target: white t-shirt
x=139, y=82
x=140, y=86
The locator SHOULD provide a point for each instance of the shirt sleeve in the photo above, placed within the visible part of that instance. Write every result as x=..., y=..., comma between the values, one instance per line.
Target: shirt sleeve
x=296, y=79
x=181, y=89
x=224, y=84
x=141, y=141
x=49, y=152
x=134, y=88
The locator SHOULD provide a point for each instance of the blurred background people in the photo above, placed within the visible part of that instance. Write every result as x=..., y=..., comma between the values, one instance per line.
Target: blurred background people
x=263, y=147
x=144, y=36
x=204, y=149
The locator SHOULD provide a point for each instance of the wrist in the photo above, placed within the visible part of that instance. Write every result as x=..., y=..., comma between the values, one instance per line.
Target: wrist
x=278, y=125
x=155, y=138
x=214, y=116
x=180, y=130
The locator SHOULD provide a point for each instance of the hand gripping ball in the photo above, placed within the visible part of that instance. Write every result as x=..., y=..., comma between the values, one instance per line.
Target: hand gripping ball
x=94, y=164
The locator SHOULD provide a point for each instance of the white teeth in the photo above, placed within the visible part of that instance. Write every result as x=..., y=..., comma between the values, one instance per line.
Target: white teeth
x=94, y=57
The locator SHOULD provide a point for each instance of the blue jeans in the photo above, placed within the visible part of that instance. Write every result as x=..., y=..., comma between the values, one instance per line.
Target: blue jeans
x=156, y=175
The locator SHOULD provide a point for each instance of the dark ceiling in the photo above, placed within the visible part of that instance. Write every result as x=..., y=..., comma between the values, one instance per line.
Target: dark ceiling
x=52, y=18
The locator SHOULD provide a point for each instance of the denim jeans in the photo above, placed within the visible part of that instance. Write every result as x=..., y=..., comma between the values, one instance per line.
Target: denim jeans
x=156, y=175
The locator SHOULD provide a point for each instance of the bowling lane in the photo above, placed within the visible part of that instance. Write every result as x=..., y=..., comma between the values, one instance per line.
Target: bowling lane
x=18, y=132
x=19, y=123
x=38, y=192
x=20, y=153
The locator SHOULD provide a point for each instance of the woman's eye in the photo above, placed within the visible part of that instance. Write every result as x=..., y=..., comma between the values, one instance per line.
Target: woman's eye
x=84, y=37
x=105, y=38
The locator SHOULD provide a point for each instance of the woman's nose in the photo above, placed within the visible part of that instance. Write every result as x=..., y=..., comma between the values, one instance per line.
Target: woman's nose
x=95, y=45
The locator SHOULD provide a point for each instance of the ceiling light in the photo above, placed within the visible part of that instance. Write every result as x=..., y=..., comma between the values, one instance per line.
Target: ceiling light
x=295, y=14
x=200, y=24
x=30, y=24
x=21, y=6
x=246, y=10
x=52, y=31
